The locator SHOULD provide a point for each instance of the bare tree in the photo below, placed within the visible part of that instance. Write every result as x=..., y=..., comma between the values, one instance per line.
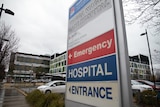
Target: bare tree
x=157, y=75
x=156, y=56
x=146, y=12
x=8, y=43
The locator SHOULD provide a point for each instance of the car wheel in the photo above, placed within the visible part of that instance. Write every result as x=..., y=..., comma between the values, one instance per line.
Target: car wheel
x=48, y=92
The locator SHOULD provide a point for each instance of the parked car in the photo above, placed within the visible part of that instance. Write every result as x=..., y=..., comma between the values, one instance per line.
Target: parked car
x=139, y=87
x=57, y=86
x=27, y=80
x=34, y=81
x=45, y=80
x=157, y=83
x=156, y=87
x=12, y=81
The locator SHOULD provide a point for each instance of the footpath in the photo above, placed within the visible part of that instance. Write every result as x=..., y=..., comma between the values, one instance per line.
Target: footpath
x=12, y=97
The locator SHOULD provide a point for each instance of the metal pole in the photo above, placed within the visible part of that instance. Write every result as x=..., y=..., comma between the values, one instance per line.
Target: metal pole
x=1, y=10
x=150, y=58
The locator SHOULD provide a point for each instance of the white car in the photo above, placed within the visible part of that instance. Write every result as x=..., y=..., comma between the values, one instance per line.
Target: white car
x=57, y=86
x=137, y=86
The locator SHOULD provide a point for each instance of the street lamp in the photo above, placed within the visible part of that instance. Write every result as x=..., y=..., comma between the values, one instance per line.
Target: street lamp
x=149, y=55
x=6, y=11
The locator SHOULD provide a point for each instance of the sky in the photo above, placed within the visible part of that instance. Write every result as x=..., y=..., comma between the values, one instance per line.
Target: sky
x=42, y=26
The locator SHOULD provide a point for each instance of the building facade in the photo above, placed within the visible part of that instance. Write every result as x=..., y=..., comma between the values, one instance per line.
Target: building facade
x=58, y=64
x=139, y=67
x=23, y=65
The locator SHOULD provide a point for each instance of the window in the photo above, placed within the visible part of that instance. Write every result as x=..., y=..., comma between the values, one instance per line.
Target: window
x=59, y=83
x=62, y=83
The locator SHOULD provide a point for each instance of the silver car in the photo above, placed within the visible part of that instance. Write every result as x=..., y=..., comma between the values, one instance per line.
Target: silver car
x=57, y=86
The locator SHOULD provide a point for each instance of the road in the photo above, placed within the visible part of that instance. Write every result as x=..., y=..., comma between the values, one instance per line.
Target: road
x=11, y=97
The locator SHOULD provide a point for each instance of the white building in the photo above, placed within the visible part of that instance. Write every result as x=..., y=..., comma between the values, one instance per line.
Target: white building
x=23, y=65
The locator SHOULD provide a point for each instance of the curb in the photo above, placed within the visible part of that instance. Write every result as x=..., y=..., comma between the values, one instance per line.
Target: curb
x=21, y=91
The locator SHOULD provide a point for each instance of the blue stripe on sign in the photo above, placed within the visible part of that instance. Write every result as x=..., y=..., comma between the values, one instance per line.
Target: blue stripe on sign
x=103, y=69
x=77, y=7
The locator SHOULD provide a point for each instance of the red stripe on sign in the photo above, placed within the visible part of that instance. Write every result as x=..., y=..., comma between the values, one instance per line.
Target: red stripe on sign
x=99, y=46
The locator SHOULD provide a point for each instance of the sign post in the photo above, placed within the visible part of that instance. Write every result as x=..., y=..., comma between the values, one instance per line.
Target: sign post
x=96, y=49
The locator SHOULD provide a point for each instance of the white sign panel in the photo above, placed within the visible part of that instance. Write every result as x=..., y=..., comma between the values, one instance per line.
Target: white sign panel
x=92, y=92
x=92, y=70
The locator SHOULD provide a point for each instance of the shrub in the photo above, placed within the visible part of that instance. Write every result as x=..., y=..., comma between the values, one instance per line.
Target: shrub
x=38, y=99
x=147, y=98
x=54, y=100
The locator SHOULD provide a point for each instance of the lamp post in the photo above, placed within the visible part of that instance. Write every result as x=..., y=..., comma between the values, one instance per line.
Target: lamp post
x=149, y=55
x=6, y=11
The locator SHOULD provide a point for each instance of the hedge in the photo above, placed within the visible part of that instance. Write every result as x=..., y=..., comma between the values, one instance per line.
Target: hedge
x=39, y=99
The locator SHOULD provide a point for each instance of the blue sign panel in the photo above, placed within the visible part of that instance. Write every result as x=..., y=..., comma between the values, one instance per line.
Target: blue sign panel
x=102, y=69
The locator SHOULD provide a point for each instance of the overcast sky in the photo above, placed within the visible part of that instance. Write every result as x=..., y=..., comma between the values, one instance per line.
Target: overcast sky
x=42, y=27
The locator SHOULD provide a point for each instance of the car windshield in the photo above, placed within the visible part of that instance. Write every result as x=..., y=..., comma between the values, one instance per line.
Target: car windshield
x=133, y=82
x=149, y=82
